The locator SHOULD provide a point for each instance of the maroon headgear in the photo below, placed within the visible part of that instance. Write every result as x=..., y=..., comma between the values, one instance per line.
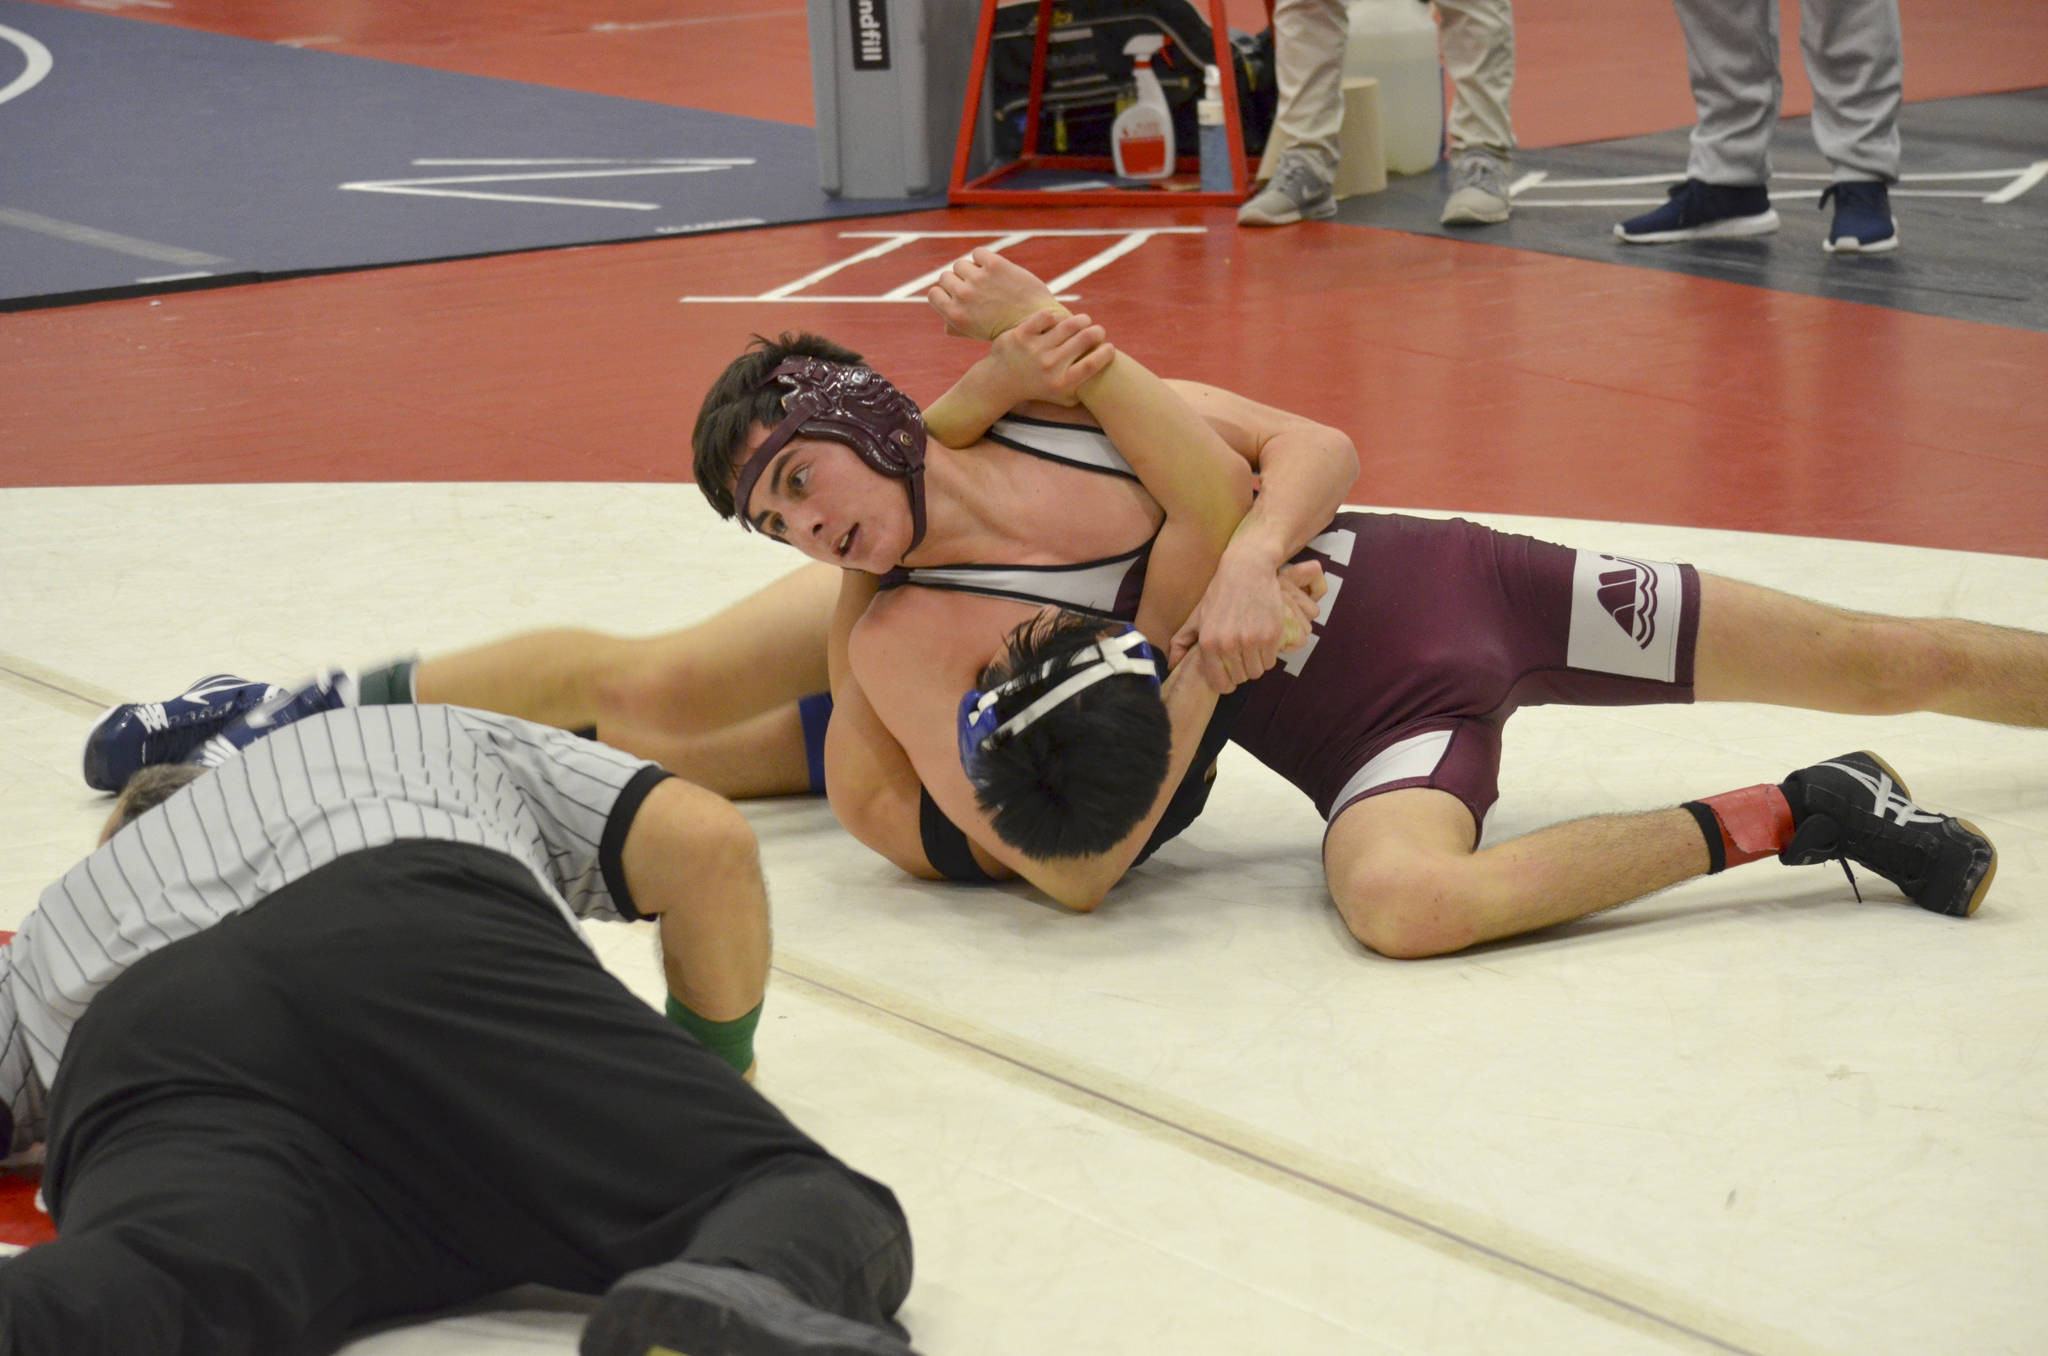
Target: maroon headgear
x=852, y=405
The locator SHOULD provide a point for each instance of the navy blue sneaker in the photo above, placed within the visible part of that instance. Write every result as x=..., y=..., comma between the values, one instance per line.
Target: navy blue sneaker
x=1863, y=218
x=1857, y=809
x=722, y=1311
x=329, y=689
x=136, y=735
x=1703, y=211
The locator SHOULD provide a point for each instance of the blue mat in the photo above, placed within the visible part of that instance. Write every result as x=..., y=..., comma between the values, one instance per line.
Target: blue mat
x=137, y=157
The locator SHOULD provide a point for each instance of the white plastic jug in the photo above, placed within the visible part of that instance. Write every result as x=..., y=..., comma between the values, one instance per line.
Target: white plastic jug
x=1394, y=42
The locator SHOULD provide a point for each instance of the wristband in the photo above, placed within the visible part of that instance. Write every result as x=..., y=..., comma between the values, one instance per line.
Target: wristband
x=731, y=1041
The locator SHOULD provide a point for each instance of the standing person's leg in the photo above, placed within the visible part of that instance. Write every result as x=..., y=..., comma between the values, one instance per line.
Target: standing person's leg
x=1308, y=57
x=1855, y=57
x=1731, y=54
x=1478, y=45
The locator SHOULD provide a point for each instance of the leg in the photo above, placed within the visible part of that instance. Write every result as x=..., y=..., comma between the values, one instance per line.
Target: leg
x=1855, y=58
x=1759, y=645
x=588, y=1136
x=1308, y=53
x=1731, y=52
x=1478, y=41
x=215, y=1224
x=1405, y=877
x=763, y=755
x=766, y=650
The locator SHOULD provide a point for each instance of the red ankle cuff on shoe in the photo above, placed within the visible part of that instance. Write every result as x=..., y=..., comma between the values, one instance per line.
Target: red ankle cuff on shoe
x=1755, y=822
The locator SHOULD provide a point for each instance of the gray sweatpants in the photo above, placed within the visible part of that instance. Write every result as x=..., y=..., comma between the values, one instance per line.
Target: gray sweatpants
x=1854, y=57
x=1477, y=41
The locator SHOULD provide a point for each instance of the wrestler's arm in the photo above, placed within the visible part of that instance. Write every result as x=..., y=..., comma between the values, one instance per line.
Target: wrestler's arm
x=1047, y=359
x=712, y=917
x=1305, y=470
x=1202, y=482
x=870, y=782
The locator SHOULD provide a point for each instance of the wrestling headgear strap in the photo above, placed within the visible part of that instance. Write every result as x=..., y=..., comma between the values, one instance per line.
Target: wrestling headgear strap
x=1125, y=652
x=852, y=405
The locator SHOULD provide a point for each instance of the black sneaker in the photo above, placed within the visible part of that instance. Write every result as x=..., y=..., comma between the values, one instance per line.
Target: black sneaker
x=688, y=1309
x=1856, y=809
x=328, y=690
x=1863, y=218
x=136, y=735
x=1702, y=211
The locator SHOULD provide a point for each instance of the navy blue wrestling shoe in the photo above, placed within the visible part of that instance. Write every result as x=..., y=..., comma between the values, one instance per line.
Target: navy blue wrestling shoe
x=1856, y=809
x=688, y=1309
x=1702, y=211
x=1863, y=218
x=136, y=735
x=329, y=689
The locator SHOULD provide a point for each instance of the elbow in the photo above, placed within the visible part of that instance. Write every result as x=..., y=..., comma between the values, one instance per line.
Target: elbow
x=1347, y=453
x=1077, y=896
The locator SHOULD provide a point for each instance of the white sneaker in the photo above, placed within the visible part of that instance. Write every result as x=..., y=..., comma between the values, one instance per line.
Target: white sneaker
x=1479, y=190
x=1297, y=192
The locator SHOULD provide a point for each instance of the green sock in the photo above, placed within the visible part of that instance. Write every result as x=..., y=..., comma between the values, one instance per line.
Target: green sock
x=731, y=1041
x=390, y=685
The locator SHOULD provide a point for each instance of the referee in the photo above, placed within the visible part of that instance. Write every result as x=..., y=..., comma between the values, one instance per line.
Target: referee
x=323, y=1045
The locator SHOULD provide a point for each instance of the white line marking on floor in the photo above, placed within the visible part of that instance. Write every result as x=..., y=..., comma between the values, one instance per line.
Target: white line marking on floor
x=106, y=240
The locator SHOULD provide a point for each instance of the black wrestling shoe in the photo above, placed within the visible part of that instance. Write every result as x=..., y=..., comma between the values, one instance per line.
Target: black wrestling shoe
x=136, y=735
x=1856, y=809
x=687, y=1309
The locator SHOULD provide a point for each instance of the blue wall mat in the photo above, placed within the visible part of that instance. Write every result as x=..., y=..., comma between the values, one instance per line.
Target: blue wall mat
x=146, y=155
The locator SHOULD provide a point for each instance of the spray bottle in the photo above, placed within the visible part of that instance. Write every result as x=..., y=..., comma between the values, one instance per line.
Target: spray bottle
x=1141, y=138
x=1213, y=137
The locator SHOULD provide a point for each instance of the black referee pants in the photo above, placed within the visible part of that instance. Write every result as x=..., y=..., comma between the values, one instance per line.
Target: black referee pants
x=394, y=1086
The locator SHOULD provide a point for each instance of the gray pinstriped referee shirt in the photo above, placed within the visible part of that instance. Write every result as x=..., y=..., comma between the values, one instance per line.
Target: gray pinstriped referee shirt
x=336, y=783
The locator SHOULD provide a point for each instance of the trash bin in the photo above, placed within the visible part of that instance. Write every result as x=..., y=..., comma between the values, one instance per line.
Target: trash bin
x=889, y=78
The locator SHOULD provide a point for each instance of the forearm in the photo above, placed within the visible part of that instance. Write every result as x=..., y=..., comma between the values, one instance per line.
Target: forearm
x=693, y=865
x=1305, y=473
x=1177, y=454
x=972, y=405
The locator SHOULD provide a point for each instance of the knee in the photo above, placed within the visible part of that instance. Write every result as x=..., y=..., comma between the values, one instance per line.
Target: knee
x=1408, y=907
x=641, y=685
x=1892, y=667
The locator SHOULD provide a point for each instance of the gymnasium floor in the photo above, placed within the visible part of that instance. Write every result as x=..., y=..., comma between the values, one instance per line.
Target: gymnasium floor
x=1749, y=1115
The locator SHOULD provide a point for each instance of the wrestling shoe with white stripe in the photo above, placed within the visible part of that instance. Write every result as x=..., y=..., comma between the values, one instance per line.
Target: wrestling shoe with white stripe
x=136, y=735
x=1856, y=809
x=329, y=689
x=690, y=1309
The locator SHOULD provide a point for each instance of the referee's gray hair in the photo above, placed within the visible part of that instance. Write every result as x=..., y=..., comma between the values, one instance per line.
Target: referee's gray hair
x=151, y=787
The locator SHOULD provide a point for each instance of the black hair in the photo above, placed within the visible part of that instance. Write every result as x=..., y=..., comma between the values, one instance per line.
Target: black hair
x=1078, y=779
x=741, y=398
x=151, y=787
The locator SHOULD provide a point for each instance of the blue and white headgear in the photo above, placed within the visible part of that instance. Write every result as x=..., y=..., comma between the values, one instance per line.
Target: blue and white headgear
x=1126, y=652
